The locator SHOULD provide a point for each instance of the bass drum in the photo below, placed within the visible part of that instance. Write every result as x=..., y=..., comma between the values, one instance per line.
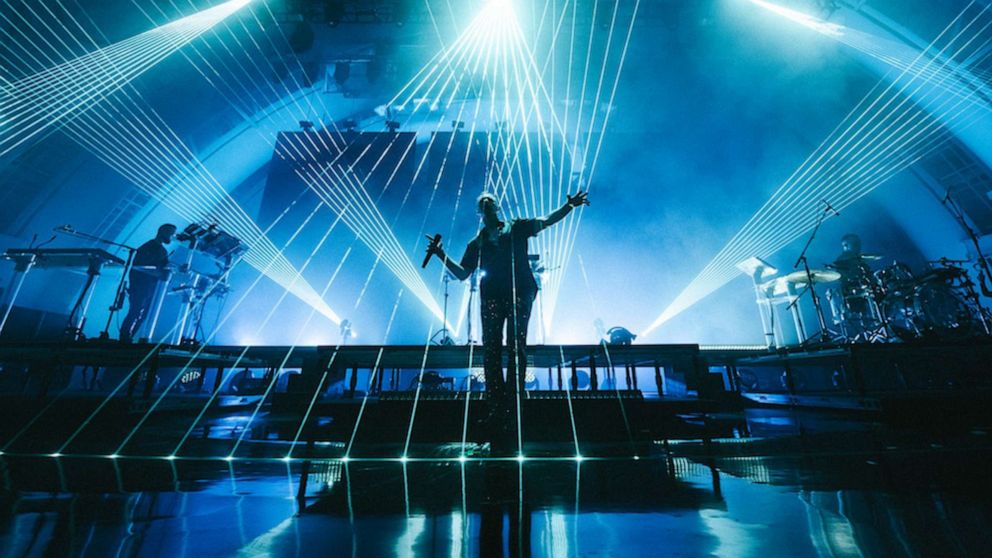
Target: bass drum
x=943, y=312
x=902, y=316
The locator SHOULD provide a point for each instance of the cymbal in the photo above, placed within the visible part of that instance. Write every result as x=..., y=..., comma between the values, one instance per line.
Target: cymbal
x=819, y=276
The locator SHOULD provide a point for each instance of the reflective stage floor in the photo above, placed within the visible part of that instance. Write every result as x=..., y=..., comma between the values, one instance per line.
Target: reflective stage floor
x=792, y=484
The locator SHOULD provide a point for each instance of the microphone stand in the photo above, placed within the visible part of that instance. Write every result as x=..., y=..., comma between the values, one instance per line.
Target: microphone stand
x=810, y=286
x=443, y=332
x=118, y=304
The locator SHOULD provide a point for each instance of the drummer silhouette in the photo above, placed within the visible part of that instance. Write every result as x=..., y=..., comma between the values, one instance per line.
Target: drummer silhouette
x=850, y=263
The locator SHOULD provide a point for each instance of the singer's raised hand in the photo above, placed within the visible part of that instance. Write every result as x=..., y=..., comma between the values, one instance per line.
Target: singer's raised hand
x=580, y=198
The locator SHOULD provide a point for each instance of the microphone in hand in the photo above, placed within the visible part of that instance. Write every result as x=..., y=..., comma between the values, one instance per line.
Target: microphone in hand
x=433, y=247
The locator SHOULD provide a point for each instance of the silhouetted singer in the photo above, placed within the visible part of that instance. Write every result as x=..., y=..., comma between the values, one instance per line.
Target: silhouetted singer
x=507, y=290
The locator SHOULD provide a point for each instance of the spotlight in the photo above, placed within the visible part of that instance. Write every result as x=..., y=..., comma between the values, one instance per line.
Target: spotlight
x=462, y=459
x=345, y=459
x=170, y=458
x=404, y=459
x=521, y=458
x=579, y=458
x=55, y=455
x=113, y=456
x=287, y=459
x=229, y=458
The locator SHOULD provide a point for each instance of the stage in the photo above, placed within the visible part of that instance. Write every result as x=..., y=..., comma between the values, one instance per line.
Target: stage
x=92, y=398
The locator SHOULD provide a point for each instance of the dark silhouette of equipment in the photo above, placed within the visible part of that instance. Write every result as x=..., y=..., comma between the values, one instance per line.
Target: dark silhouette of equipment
x=620, y=336
x=223, y=248
x=93, y=260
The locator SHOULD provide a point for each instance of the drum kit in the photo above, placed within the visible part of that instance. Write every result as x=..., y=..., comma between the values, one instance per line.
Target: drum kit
x=895, y=304
x=890, y=304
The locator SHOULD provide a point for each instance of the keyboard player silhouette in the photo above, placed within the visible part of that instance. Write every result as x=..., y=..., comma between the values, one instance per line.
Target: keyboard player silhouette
x=151, y=261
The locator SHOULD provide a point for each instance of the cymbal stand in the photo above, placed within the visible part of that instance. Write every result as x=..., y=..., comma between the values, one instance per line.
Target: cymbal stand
x=810, y=286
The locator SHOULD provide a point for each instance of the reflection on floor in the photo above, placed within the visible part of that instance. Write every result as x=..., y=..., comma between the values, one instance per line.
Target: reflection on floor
x=800, y=485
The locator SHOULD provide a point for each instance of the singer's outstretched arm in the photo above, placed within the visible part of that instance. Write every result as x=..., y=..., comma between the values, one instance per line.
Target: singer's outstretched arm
x=580, y=198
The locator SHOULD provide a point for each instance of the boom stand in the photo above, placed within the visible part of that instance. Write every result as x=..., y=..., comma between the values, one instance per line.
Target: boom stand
x=443, y=332
x=952, y=206
x=810, y=286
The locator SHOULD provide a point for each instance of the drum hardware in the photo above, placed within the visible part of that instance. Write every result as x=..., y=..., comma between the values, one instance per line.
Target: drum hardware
x=759, y=271
x=945, y=261
x=886, y=305
x=983, y=262
x=955, y=281
x=825, y=335
x=941, y=302
x=818, y=276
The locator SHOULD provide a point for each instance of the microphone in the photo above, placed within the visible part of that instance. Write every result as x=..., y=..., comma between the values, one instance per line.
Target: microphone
x=430, y=250
x=830, y=207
